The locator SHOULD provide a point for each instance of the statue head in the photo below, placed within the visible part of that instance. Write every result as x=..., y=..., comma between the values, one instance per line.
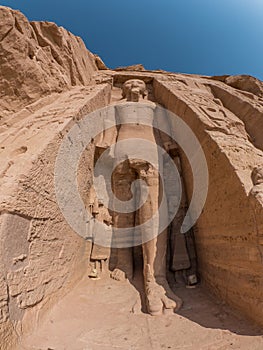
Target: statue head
x=257, y=175
x=134, y=89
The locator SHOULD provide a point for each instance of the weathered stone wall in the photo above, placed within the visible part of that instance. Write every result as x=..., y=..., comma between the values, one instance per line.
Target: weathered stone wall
x=46, y=83
x=229, y=229
x=41, y=257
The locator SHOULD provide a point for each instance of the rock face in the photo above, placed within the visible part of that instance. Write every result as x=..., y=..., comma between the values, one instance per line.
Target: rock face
x=229, y=230
x=135, y=67
x=49, y=81
x=246, y=83
x=37, y=59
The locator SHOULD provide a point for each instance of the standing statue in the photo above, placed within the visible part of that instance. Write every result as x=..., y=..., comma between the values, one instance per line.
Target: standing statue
x=159, y=296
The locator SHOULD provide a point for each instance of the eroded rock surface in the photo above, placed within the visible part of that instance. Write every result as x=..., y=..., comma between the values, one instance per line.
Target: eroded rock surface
x=37, y=59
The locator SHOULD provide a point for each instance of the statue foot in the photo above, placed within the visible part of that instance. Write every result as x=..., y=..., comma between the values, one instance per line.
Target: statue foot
x=124, y=267
x=118, y=275
x=158, y=302
x=160, y=299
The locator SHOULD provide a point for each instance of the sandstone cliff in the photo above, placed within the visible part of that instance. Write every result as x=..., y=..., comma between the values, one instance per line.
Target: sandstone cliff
x=38, y=58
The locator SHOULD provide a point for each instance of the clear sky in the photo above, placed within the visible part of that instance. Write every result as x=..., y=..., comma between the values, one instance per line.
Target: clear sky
x=211, y=37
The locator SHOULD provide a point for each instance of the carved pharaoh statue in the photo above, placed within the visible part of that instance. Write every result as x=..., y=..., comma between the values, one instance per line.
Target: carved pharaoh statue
x=128, y=168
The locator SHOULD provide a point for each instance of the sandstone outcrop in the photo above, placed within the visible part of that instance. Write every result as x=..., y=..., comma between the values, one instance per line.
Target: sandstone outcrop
x=37, y=59
x=135, y=67
x=244, y=83
x=49, y=81
x=99, y=63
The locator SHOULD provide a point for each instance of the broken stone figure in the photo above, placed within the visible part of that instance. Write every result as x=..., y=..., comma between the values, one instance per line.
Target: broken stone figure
x=99, y=255
x=183, y=259
x=128, y=168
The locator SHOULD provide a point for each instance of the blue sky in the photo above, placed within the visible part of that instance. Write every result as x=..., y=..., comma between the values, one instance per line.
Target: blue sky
x=211, y=37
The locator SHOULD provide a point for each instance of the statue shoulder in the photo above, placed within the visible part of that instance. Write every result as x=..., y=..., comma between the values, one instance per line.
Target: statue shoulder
x=141, y=104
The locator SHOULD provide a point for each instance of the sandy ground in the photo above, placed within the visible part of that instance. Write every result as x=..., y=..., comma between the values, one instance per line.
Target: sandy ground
x=99, y=315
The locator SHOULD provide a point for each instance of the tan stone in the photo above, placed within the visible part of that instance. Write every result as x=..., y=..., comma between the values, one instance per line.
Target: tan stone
x=38, y=58
x=49, y=80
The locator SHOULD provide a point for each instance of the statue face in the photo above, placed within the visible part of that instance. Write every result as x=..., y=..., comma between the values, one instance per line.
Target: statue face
x=133, y=89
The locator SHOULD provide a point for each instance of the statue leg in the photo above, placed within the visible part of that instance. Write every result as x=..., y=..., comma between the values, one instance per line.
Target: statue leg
x=122, y=179
x=159, y=296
